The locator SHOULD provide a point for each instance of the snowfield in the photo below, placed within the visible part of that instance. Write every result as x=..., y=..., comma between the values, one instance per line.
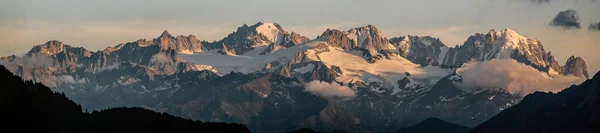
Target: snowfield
x=249, y=62
x=356, y=68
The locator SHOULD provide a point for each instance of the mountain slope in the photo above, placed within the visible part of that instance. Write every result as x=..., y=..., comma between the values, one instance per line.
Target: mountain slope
x=35, y=106
x=574, y=109
x=434, y=125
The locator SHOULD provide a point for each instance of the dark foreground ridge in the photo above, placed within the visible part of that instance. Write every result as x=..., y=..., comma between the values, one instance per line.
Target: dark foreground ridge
x=429, y=125
x=434, y=125
x=573, y=110
x=29, y=107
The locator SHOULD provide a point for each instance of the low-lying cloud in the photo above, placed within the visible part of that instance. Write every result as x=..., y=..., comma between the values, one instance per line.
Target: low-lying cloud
x=326, y=89
x=513, y=76
x=568, y=19
x=67, y=79
x=161, y=58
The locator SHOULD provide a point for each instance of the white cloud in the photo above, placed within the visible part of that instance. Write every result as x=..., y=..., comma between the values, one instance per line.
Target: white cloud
x=161, y=58
x=67, y=79
x=325, y=89
x=511, y=75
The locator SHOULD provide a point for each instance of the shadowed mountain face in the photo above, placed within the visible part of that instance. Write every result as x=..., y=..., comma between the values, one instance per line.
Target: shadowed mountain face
x=574, y=109
x=33, y=107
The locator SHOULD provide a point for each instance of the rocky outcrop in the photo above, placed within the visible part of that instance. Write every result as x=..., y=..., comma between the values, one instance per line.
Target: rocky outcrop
x=576, y=66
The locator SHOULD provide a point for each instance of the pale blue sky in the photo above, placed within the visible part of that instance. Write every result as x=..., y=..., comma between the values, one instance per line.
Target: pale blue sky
x=98, y=24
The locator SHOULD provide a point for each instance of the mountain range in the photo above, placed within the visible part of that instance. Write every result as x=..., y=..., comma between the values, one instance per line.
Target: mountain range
x=275, y=81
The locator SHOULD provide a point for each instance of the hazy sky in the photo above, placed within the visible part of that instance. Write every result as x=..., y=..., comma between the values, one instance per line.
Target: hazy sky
x=99, y=24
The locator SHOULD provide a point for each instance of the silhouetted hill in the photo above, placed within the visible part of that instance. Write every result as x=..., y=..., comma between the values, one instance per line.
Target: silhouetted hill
x=306, y=130
x=32, y=107
x=573, y=110
x=434, y=125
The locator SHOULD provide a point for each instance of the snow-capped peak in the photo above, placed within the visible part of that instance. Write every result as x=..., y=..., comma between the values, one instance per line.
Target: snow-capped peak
x=49, y=48
x=272, y=31
x=360, y=34
x=508, y=37
x=508, y=40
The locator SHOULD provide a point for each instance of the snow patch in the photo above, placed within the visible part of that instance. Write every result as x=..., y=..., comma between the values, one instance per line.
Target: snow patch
x=204, y=67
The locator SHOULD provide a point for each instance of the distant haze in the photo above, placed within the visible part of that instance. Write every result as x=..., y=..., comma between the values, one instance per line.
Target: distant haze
x=99, y=24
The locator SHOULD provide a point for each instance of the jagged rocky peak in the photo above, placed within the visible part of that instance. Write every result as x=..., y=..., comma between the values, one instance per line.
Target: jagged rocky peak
x=506, y=43
x=49, y=48
x=366, y=29
x=423, y=50
x=576, y=66
x=247, y=38
x=366, y=38
x=266, y=33
x=165, y=34
x=185, y=44
x=505, y=38
x=338, y=38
